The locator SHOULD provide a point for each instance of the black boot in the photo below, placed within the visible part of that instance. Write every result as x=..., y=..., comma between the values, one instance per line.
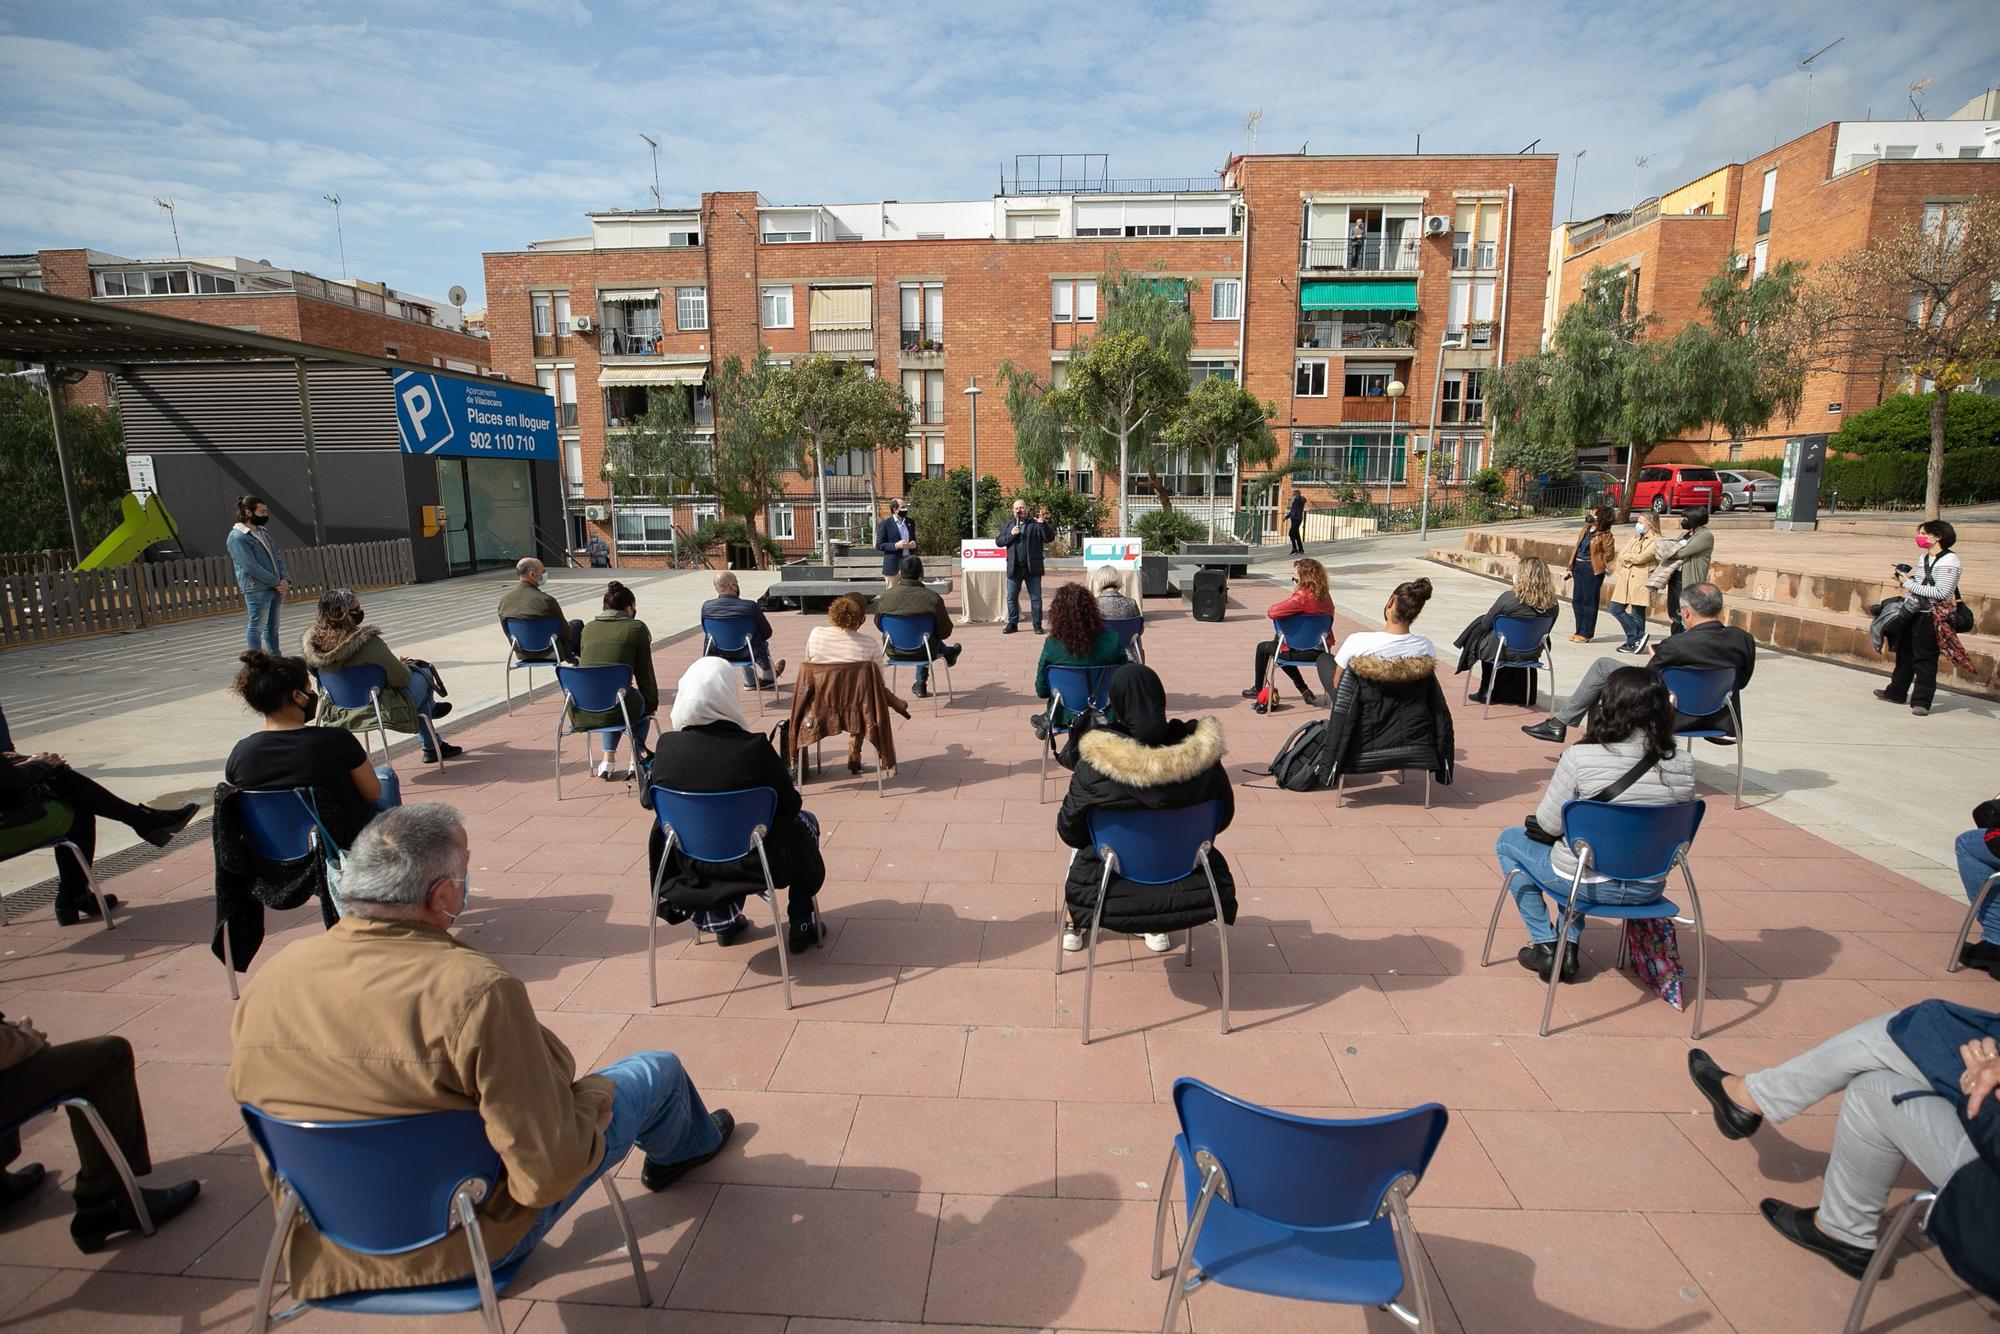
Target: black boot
x=1537, y=959
x=83, y=908
x=161, y=830
x=18, y=1186
x=104, y=1217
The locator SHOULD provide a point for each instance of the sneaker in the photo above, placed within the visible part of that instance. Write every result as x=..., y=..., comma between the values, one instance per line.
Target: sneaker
x=1626, y=648
x=440, y=709
x=1251, y=693
x=951, y=652
x=1920, y=711
x=1038, y=628
x=450, y=752
x=604, y=769
x=1549, y=729
x=1645, y=638
x=658, y=1176
x=1010, y=628
x=921, y=692
x=778, y=669
x=1885, y=695
x=1072, y=942
x=1159, y=942
x=1579, y=639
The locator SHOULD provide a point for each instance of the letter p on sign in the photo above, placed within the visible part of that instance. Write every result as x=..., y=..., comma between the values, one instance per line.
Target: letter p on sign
x=417, y=403
x=421, y=414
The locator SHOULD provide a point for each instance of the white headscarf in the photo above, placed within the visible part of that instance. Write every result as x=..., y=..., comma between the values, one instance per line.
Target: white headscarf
x=708, y=693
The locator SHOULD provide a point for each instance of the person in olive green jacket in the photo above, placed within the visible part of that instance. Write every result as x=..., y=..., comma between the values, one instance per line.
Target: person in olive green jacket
x=617, y=637
x=337, y=641
x=1078, y=637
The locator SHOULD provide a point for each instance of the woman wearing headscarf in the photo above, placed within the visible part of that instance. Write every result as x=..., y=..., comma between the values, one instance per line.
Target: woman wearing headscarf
x=1143, y=761
x=712, y=749
x=338, y=640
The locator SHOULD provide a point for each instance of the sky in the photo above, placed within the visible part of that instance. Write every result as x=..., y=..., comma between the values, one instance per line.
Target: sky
x=451, y=129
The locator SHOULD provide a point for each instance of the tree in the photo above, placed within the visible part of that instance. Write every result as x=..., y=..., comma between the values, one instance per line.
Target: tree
x=1919, y=303
x=1039, y=439
x=661, y=454
x=1901, y=424
x=35, y=518
x=755, y=448
x=832, y=407
x=1222, y=423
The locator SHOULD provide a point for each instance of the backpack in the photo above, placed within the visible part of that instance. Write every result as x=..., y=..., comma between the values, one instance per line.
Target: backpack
x=1296, y=766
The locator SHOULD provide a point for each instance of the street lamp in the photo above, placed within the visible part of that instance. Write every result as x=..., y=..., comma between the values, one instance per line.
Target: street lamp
x=972, y=393
x=1395, y=394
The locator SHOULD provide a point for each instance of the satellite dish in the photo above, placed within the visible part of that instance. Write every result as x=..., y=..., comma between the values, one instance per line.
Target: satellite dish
x=456, y=296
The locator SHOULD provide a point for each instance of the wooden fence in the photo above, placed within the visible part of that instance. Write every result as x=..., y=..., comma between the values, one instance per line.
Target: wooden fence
x=38, y=607
x=52, y=561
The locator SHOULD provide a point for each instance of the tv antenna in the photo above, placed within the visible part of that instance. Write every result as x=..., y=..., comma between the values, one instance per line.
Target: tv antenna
x=339, y=235
x=168, y=205
x=1807, y=66
x=654, y=144
x=1250, y=123
x=1575, y=171
x=1639, y=165
x=1916, y=91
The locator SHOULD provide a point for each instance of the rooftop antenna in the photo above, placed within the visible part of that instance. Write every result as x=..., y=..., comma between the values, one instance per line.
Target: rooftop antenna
x=339, y=235
x=1575, y=171
x=1530, y=148
x=1639, y=165
x=168, y=205
x=1250, y=123
x=1807, y=66
x=1916, y=91
x=654, y=144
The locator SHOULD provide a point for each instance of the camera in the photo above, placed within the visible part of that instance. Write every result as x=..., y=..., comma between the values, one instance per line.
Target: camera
x=1902, y=568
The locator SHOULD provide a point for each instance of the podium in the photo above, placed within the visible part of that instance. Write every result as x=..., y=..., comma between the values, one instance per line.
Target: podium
x=982, y=584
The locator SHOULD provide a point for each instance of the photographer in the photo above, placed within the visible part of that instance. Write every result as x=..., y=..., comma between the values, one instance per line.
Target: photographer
x=1918, y=636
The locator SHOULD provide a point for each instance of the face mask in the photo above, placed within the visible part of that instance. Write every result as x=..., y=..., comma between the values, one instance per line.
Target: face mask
x=464, y=883
x=1923, y=541
x=260, y=519
x=354, y=617
x=308, y=704
x=1639, y=528
x=541, y=578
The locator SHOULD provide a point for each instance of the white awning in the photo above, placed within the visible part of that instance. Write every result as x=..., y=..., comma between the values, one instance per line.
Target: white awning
x=685, y=373
x=630, y=297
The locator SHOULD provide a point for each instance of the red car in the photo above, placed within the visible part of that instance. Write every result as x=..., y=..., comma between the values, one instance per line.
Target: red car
x=1677, y=486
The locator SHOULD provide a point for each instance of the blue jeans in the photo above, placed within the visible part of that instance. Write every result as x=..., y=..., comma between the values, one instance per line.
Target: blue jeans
x=1975, y=863
x=729, y=912
x=655, y=1106
x=1519, y=853
x=392, y=789
x=1034, y=584
x=1631, y=618
x=1584, y=588
x=642, y=727
x=261, y=608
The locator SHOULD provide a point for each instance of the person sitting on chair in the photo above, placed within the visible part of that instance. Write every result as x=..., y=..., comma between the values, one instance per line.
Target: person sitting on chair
x=289, y=752
x=387, y=1015
x=527, y=600
x=1532, y=597
x=1978, y=855
x=42, y=798
x=1309, y=597
x=712, y=749
x=1078, y=637
x=1629, y=757
x=1706, y=643
x=908, y=597
x=1395, y=639
x=338, y=640
x=616, y=637
x=1109, y=590
x=1922, y=1087
x=729, y=604
x=1143, y=761
x=842, y=639
x=35, y=1072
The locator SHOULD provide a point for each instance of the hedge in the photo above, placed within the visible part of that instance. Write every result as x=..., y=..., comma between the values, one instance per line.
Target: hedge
x=1971, y=477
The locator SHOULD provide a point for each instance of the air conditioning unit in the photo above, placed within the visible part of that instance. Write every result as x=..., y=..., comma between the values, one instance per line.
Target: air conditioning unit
x=581, y=323
x=1437, y=224
x=1742, y=261
x=595, y=513
x=1455, y=341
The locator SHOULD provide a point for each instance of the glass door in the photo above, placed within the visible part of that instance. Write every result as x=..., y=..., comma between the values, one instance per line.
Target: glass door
x=457, y=515
x=489, y=509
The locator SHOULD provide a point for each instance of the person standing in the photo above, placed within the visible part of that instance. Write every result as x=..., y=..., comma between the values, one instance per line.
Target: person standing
x=1690, y=562
x=895, y=538
x=1595, y=550
x=1918, y=637
x=1295, y=522
x=1024, y=539
x=260, y=573
x=1630, y=596
x=1357, y=236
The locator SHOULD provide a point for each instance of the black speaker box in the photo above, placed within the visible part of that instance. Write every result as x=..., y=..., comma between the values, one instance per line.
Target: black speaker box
x=1210, y=603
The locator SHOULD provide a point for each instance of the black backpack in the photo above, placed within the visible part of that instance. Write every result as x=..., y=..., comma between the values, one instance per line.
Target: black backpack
x=1297, y=765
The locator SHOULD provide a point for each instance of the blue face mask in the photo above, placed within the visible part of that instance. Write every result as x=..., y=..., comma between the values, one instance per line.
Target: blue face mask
x=464, y=883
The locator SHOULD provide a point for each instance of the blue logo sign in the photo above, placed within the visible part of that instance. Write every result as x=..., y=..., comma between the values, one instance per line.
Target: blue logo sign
x=476, y=419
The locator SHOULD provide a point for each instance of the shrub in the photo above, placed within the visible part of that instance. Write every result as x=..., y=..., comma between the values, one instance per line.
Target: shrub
x=1163, y=531
x=1971, y=477
x=1487, y=484
x=1067, y=509
x=694, y=550
x=939, y=514
x=1902, y=424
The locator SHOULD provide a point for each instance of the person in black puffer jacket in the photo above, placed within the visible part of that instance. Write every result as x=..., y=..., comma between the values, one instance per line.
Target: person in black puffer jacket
x=1143, y=761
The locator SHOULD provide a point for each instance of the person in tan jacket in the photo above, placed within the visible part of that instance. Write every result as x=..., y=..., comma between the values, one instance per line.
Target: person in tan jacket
x=1629, y=595
x=386, y=1014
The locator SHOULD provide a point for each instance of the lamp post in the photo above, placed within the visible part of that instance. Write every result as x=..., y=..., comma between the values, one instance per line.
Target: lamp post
x=1430, y=457
x=972, y=395
x=1395, y=395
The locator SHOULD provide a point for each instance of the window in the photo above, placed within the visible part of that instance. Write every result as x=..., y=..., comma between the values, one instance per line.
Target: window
x=545, y=376
x=1900, y=151
x=925, y=390
x=1225, y=300
x=922, y=307
x=1310, y=379
x=573, y=465
x=566, y=398
x=1475, y=235
x=1757, y=258
x=143, y=282
x=1463, y=397
x=27, y=282
x=1969, y=150
x=1471, y=304
x=391, y=351
x=1364, y=381
x=562, y=314
x=1031, y=226
x=690, y=308
x=640, y=530
x=1946, y=220
x=776, y=303
x=781, y=523
x=213, y=283
x=1210, y=370
x=544, y=325
x=1332, y=457
x=1073, y=300
x=1769, y=198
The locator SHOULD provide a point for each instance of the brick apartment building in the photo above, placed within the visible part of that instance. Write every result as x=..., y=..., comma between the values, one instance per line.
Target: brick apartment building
x=1315, y=281
x=1826, y=193
x=253, y=296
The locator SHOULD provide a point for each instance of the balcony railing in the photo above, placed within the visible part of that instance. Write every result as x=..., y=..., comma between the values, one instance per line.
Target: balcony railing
x=629, y=343
x=923, y=338
x=850, y=486
x=843, y=340
x=1372, y=255
x=1347, y=335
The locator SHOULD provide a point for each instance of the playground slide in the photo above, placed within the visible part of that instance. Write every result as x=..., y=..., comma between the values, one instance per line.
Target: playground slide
x=145, y=522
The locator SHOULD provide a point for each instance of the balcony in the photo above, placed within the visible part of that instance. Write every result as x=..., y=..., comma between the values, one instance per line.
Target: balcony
x=920, y=341
x=1358, y=335
x=1374, y=254
x=643, y=341
x=843, y=341
x=850, y=486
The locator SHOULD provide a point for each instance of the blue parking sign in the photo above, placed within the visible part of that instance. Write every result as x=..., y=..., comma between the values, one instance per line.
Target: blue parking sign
x=478, y=419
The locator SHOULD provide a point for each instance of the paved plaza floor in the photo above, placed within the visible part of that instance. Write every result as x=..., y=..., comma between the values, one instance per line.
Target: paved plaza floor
x=924, y=1141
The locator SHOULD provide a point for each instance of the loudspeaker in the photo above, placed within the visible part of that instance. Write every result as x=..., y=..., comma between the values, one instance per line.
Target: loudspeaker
x=1211, y=595
x=1153, y=577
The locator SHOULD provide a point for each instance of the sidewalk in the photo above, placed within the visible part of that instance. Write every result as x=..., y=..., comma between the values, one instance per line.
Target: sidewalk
x=150, y=715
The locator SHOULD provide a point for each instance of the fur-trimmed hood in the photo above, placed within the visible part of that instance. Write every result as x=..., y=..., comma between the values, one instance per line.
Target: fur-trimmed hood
x=1126, y=761
x=336, y=647
x=1393, y=671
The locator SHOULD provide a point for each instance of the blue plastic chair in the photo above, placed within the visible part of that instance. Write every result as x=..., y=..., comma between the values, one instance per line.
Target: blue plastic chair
x=280, y=825
x=89, y=878
x=390, y=1186
x=1150, y=848
x=525, y=637
x=716, y=827
x=1519, y=634
x=1299, y=642
x=1951, y=964
x=1295, y=1206
x=728, y=638
x=361, y=688
x=1075, y=689
x=602, y=689
x=1629, y=841
x=1701, y=694
x=1130, y=631
x=906, y=641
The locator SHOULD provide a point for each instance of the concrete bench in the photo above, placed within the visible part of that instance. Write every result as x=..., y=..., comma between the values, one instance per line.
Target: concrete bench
x=1233, y=557
x=817, y=594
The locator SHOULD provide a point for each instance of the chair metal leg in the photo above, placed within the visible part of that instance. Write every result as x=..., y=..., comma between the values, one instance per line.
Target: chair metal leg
x=482, y=1268
x=1221, y=934
x=133, y=1194
x=777, y=923
x=1493, y=922
x=653, y=925
x=1160, y=1212
x=1736, y=725
x=1700, y=947
x=1090, y=941
x=1181, y=1283
x=1410, y=1249
x=1339, y=789
x=1951, y=964
x=1624, y=941
x=631, y=1239
x=1492, y=684
x=1062, y=918
x=562, y=718
x=1569, y=915
x=229, y=964
x=89, y=879
x=1885, y=1252
x=1427, y=789
x=288, y=1208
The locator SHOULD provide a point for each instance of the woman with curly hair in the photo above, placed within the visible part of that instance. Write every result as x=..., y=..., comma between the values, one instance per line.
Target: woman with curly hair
x=1309, y=597
x=843, y=640
x=1632, y=728
x=1078, y=637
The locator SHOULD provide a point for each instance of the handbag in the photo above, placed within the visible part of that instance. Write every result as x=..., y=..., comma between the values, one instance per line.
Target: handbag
x=1961, y=617
x=1533, y=827
x=1654, y=952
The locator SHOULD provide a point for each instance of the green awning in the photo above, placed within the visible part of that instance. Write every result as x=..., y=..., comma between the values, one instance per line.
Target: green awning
x=1363, y=294
x=1174, y=289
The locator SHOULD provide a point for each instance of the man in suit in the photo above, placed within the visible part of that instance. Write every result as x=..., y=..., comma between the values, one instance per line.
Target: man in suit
x=1295, y=522
x=908, y=597
x=1024, y=538
x=895, y=538
x=1706, y=643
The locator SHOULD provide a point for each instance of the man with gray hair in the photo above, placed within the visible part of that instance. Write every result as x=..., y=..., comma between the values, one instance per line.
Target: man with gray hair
x=1706, y=643
x=386, y=1015
x=526, y=601
x=729, y=604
